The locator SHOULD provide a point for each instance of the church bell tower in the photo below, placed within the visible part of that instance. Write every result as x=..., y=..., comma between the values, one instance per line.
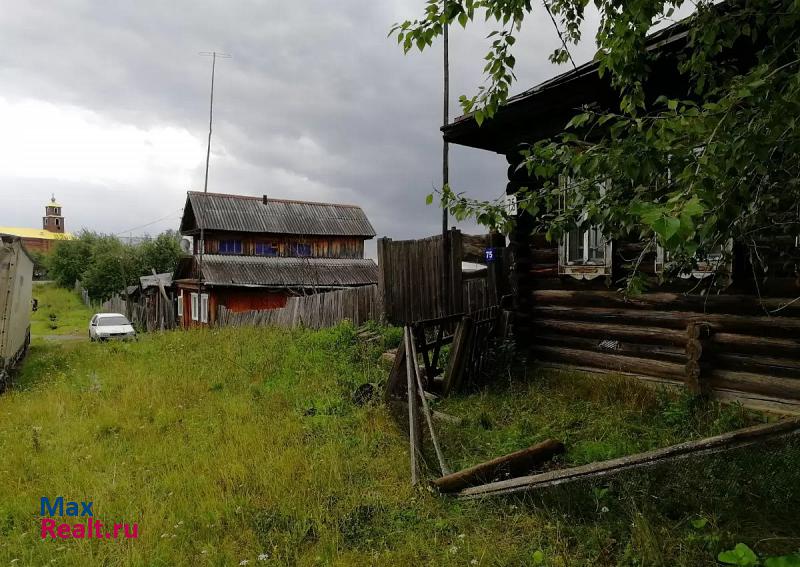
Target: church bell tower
x=53, y=221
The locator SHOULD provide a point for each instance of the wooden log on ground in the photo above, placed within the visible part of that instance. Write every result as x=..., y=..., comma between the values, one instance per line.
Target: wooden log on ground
x=725, y=442
x=513, y=464
x=619, y=332
x=639, y=366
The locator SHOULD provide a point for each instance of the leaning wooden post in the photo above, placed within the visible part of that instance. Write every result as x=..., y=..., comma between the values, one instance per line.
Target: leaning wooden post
x=696, y=380
x=413, y=414
x=425, y=409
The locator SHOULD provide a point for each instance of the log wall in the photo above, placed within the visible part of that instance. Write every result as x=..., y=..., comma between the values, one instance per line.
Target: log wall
x=743, y=343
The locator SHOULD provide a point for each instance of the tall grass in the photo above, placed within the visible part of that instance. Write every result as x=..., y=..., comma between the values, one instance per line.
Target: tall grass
x=60, y=312
x=234, y=444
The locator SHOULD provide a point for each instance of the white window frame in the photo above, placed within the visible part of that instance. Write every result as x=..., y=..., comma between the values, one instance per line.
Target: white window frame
x=713, y=263
x=195, y=306
x=204, y=308
x=584, y=269
x=180, y=304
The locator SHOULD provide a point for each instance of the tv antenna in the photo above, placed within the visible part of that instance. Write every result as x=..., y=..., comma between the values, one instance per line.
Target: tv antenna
x=213, y=55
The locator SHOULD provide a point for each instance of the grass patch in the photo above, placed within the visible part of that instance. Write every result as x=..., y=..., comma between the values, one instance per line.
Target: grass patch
x=60, y=312
x=226, y=445
x=597, y=416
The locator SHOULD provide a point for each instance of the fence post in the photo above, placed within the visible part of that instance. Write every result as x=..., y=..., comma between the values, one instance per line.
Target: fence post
x=455, y=259
x=696, y=379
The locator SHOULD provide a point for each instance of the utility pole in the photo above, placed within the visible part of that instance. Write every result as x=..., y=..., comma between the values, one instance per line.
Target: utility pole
x=446, y=256
x=213, y=55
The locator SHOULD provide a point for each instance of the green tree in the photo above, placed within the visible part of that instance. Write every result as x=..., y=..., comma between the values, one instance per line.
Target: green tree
x=161, y=253
x=69, y=259
x=690, y=174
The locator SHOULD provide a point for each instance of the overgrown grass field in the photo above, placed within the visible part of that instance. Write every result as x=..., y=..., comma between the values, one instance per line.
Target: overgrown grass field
x=60, y=312
x=244, y=447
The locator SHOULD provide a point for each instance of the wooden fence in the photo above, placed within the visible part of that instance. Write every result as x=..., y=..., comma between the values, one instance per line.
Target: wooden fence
x=721, y=345
x=423, y=279
x=358, y=304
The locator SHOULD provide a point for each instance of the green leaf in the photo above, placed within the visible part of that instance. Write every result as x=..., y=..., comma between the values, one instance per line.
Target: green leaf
x=740, y=555
x=479, y=116
x=538, y=557
x=429, y=199
x=699, y=523
x=783, y=561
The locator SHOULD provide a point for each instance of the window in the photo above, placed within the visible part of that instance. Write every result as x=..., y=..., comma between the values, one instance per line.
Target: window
x=718, y=260
x=583, y=253
x=57, y=222
x=299, y=249
x=230, y=246
x=180, y=304
x=204, y=308
x=195, y=307
x=266, y=249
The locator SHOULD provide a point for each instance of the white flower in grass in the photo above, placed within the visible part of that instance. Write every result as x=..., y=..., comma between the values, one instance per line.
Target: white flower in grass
x=244, y=562
x=263, y=557
x=473, y=562
x=604, y=509
x=453, y=549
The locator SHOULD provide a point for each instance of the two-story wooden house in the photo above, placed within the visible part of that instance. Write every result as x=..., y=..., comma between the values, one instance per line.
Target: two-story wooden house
x=255, y=252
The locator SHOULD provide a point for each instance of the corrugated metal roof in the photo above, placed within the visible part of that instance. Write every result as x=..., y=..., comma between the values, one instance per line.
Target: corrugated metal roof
x=287, y=272
x=241, y=213
x=149, y=281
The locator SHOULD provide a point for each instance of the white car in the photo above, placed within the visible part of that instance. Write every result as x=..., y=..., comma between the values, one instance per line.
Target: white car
x=104, y=326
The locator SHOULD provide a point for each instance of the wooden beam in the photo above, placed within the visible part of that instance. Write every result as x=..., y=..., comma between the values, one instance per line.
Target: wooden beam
x=413, y=414
x=513, y=464
x=459, y=356
x=593, y=471
x=425, y=409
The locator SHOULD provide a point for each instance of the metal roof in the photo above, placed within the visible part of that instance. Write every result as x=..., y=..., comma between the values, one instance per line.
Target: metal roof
x=259, y=271
x=242, y=213
x=152, y=280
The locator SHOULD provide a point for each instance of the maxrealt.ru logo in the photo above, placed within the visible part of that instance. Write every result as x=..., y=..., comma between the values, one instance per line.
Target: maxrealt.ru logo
x=89, y=529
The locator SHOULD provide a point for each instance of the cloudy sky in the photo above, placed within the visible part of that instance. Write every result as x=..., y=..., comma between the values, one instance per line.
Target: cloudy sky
x=105, y=104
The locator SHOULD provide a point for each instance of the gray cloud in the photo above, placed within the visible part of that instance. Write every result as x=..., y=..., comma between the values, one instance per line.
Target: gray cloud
x=316, y=103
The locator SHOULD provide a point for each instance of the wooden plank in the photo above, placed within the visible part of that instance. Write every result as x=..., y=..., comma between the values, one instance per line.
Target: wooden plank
x=725, y=442
x=414, y=440
x=513, y=464
x=668, y=353
x=425, y=409
x=459, y=356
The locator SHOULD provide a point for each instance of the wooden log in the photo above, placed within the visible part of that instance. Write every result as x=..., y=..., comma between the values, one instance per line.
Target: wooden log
x=640, y=366
x=747, y=382
x=608, y=331
x=769, y=365
x=733, y=304
x=788, y=348
x=513, y=464
x=720, y=443
x=459, y=356
x=657, y=352
x=764, y=326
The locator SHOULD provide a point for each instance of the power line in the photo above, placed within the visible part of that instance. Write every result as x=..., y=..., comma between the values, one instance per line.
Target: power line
x=147, y=224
